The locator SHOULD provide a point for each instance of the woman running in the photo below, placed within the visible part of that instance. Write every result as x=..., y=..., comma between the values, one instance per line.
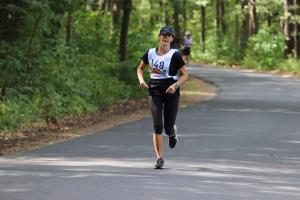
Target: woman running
x=167, y=73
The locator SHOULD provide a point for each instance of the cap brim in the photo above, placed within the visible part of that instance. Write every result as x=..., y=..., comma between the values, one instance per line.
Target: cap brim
x=166, y=32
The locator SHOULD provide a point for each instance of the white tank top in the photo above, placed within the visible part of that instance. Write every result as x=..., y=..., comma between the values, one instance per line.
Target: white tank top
x=160, y=65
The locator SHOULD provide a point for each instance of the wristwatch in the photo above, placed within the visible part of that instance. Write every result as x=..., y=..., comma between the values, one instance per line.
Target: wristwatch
x=176, y=86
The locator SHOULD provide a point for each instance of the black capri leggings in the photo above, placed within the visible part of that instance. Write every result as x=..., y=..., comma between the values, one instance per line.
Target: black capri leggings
x=166, y=105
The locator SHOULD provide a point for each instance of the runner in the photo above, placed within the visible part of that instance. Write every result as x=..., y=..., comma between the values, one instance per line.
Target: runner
x=187, y=44
x=165, y=66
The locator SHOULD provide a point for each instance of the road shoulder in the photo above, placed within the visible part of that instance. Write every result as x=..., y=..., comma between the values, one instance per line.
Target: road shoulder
x=194, y=91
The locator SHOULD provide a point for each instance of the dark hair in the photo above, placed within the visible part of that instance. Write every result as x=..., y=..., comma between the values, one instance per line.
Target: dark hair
x=175, y=44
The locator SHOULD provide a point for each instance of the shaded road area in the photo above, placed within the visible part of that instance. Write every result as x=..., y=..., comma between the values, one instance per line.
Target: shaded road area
x=243, y=144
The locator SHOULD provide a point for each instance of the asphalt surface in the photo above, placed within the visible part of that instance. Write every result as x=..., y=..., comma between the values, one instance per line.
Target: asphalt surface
x=243, y=144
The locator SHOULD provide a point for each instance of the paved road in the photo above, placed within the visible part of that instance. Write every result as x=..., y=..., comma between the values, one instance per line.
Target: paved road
x=244, y=144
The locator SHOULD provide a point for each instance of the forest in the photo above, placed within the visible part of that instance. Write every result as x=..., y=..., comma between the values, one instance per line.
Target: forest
x=67, y=57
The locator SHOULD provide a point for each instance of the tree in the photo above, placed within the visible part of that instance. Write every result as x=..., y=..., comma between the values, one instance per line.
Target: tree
x=296, y=28
x=176, y=12
x=250, y=25
x=115, y=15
x=184, y=14
x=12, y=14
x=288, y=28
x=127, y=7
x=237, y=23
x=253, y=23
x=69, y=28
x=220, y=12
x=203, y=27
x=164, y=7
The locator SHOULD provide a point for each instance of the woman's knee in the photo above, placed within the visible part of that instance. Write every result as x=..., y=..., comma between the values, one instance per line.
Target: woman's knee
x=158, y=131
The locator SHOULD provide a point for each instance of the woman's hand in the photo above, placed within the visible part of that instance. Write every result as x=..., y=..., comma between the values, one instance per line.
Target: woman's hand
x=143, y=85
x=171, y=89
x=139, y=72
x=183, y=77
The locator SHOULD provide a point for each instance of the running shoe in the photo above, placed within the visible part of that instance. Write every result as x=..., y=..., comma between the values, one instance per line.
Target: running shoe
x=173, y=138
x=159, y=163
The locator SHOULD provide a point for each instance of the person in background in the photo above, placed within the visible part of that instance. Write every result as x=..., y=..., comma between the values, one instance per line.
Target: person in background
x=187, y=44
x=165, y=66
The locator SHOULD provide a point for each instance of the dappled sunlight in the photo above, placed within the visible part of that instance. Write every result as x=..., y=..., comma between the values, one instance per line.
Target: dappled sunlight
x=14, y=189
x=16, y=173
x=279, y=111
x=209, y=94
x=72, y=68
x=203, y=134
x=291, y=141
x=233, y=147
x=209, y=175
x=76, y=162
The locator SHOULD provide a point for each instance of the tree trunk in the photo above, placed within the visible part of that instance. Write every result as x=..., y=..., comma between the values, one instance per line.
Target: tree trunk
x=288, y=28
x=109, y=5
x=202, y=39
x=184, y=15
x=176, y=11
x=250, y=25
x=220, y=12
x=127, y=7
x=297, y=29
x=269, y=20
x=3, y=92
x=237, y=25
x=245, y=27
x=69, y=28
x=115, y=15
x=102, y=4
x=164, y=11
x=253, y=25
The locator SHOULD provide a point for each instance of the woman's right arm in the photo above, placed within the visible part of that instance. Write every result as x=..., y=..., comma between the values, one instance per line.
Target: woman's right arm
x=140, y=76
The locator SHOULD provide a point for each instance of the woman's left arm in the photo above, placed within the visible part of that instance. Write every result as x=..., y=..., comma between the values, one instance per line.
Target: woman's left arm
x=184, y=75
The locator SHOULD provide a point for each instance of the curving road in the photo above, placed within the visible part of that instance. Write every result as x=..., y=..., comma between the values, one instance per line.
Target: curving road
x=244, y=144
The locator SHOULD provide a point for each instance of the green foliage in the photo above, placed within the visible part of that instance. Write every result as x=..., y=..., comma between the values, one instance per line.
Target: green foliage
x=265, y=50
x=45, y=78
x=12, y=15
x=224, y=51
x=10, y=117
x=290, y=65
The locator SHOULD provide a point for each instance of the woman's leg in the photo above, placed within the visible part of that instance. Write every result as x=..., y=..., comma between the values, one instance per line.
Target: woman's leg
x=170, y=113
x=156, y=107
x=158, y=144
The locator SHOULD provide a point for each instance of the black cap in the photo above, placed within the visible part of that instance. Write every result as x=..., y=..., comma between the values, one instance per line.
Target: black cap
x=165, y=30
